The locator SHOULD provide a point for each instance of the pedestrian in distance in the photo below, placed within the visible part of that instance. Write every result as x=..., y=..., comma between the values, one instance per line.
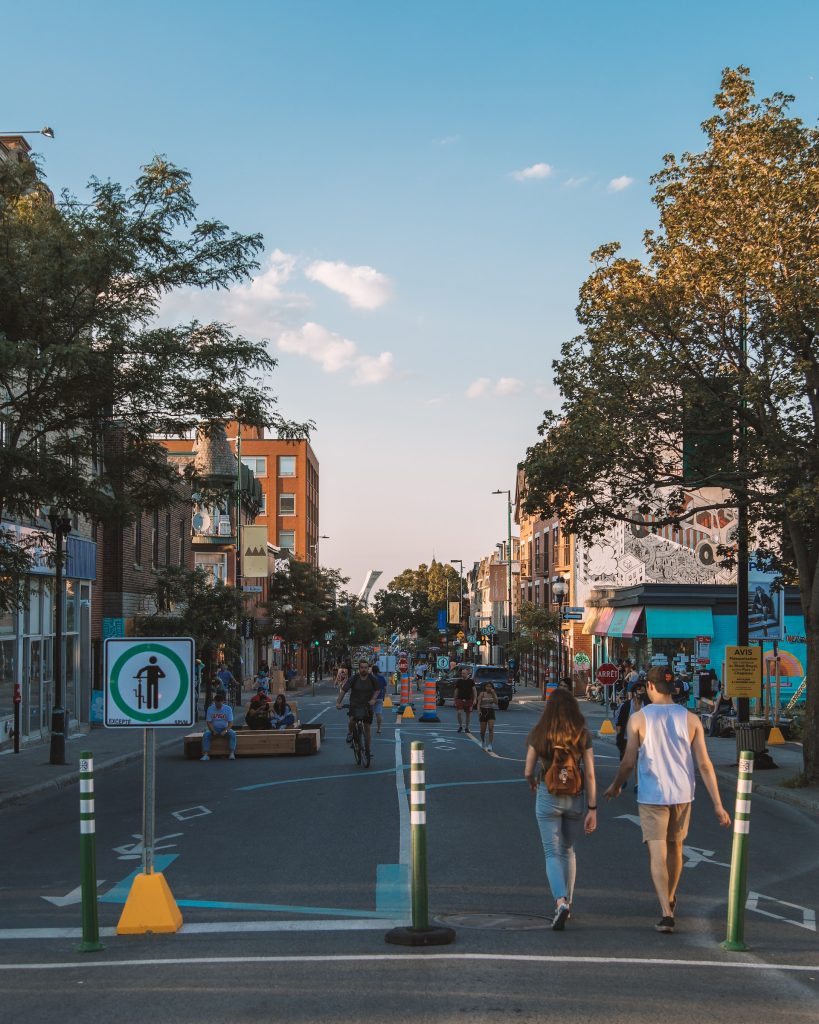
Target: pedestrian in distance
x=667, y=739
x=218, y=722
x=486, y=707
x=561, y=744
x=464, y=699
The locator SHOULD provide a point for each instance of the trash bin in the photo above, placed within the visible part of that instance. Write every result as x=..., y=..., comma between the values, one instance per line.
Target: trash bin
x=751, y=736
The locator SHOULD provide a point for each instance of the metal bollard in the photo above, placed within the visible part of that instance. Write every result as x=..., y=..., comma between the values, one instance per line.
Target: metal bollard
x=420, y=933
x=738, y=882
x=88, y=857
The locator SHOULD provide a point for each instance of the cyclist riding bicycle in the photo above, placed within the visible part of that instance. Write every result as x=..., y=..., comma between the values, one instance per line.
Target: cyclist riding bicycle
x=363, y=689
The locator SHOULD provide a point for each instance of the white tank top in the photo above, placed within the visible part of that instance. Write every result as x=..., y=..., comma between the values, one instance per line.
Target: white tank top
x=665, y=770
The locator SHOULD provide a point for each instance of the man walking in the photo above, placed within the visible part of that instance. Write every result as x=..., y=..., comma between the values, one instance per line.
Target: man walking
x=465, y=697
x=668, y=740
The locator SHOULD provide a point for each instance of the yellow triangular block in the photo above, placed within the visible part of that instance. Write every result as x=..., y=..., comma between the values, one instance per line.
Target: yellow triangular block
x=388, y=701
x=150, y=907
x=606, y=729
x=775, y=737
x=408, y=712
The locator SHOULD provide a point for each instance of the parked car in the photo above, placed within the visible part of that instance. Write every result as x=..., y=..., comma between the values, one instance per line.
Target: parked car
x=498, y=676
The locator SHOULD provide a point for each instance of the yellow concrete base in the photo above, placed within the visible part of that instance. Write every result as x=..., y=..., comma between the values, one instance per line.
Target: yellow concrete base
x=388, y=701
x=150, y=907
x=606, y=729
x=775, y=737
x=408, y=712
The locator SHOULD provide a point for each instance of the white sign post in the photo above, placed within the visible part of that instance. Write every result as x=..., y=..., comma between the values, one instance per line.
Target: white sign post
x=148, y=685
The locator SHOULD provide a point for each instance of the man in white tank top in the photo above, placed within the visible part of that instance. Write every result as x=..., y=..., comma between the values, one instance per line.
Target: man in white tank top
x=668, y=739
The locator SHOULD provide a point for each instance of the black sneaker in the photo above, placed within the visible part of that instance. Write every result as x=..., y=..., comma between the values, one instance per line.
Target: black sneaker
x=561, y=916
x=665, y=925
x=466, y=730
x=460, y=728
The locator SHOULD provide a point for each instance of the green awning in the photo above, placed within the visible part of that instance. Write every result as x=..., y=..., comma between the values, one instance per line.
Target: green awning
x=679, y=623
x=618, y=621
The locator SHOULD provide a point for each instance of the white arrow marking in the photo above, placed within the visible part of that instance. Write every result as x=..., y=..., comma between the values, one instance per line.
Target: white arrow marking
x=808, y=921
x=75, y=896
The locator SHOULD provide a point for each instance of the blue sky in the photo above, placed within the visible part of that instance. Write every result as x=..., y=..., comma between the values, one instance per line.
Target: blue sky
x=429, y=178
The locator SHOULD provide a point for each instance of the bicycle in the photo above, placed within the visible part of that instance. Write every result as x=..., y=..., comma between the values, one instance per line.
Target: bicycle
x=359, y=743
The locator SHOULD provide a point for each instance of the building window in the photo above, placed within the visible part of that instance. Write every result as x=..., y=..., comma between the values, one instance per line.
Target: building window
x=182, y=531
x=287, y=540
x=287, y=504
x=287, y=465
x=537, y=552
x=168, y=538
x=138, y=539
x=258, y=466
x=155, y=540
x=262, y=504
x=215, y=565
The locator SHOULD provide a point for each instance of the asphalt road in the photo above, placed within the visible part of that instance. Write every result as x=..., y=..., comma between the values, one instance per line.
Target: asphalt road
x=288, y=872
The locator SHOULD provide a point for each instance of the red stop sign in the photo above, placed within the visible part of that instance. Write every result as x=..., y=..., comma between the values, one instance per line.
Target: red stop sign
x=403, y=665
x=607, y=674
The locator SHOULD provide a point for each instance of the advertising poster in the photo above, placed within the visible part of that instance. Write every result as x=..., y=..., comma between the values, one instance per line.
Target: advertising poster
x=766, y=606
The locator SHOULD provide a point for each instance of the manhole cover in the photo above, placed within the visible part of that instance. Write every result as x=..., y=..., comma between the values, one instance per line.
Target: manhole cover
x=500, y=922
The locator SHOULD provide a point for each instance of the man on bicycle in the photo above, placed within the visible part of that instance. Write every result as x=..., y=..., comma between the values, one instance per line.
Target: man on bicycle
x=363, y=688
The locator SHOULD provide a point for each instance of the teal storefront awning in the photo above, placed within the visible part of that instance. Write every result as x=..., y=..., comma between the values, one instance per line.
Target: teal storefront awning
x=619, y=621
x=679, y=623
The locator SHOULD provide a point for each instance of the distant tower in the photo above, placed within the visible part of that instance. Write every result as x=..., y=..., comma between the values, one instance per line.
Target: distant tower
x=369, y=583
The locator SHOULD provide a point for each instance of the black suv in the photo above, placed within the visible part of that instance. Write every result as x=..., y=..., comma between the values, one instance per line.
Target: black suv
x=481, y=675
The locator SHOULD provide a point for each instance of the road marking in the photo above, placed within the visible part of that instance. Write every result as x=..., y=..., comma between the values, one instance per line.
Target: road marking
x=75, y=896
x=119, y=893
x=522, y=959
x=403, y=804
x=316, y=778
x=133, y=851
x=225, y=927
x=392, y=881
x=471, y=782
x=280, y=908
x=316, y=717
x=808, y=921
x=191, y=812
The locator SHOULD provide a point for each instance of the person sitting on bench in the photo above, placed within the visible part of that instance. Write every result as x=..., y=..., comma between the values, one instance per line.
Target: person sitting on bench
x=258, y=711
x=281, y=714
x=218, y=722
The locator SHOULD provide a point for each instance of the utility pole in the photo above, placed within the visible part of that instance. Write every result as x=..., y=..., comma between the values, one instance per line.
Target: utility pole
x=743, y=703
x=508, y=494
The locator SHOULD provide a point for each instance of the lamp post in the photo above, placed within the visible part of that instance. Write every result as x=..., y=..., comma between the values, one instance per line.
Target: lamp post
x=48, y=132
x=560, y=589
x=60, y=527
x=509, y=555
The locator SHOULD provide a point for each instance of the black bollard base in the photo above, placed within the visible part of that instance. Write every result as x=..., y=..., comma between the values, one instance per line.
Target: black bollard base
x=435, y=935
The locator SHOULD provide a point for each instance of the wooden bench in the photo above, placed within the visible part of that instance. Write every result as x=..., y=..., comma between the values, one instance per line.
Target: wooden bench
x=305, y=739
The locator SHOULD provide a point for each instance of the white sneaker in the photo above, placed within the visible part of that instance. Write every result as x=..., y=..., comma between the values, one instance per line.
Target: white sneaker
x=205, y=757
x=231, y=756
x=488, y=746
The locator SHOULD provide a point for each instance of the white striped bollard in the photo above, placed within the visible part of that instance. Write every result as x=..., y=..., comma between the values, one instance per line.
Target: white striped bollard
x=88, y=857
x=738, y=883
x=420, y=933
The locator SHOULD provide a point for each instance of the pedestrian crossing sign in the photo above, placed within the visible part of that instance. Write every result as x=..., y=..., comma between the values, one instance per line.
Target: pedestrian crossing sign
x=149, y=682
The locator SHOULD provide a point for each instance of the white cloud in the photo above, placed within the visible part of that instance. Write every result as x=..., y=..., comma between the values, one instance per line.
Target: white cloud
x=334, y=353
x=449, y=140
x=618, y=184
x=478, y=387
x=575, y=182
x=363, y=287
x=533, y=172
x=509, y=386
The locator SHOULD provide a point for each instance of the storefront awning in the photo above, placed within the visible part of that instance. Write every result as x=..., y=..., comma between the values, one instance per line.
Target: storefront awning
x=679, y=623
x=624, y=622
x=592, y=615
x=601, y=627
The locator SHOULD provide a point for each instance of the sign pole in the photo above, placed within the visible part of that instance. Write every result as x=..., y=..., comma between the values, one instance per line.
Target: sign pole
x=148, y=800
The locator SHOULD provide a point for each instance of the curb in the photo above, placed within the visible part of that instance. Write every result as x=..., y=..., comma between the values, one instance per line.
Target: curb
x=70, y=778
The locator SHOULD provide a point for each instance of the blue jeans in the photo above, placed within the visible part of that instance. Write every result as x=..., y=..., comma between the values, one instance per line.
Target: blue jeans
x=284, y=722
x=558, y=818
x=231, y=735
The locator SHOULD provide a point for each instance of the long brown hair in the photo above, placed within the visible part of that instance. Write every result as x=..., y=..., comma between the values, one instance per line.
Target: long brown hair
x=561, y=725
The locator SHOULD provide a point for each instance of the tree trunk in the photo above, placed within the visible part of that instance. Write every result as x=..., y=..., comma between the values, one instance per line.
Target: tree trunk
x=810, y=732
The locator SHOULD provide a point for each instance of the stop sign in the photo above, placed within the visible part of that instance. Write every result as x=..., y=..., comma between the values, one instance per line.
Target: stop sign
x=607, y=674
x=403, y=665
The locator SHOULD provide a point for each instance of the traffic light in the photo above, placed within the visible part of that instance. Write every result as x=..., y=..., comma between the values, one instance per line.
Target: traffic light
x=317, y=643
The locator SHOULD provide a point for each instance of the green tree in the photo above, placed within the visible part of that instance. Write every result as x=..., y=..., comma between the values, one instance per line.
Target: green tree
x=189, y=603
x=88, y=375
x=537, y=631
x=426, y=590
x=302, y=601
x=717, y=326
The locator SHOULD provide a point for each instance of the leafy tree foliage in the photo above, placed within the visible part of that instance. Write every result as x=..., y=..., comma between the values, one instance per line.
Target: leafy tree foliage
x=88, y=376
x=716, y=327
x=414, y=597
x=537, y=631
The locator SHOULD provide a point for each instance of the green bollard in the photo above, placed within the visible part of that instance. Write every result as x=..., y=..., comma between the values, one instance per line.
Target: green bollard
x=420, y=933
x=738, y=883
x=88, y=857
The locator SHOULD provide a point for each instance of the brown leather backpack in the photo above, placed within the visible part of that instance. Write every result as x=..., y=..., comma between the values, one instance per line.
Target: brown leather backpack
x=563, y=776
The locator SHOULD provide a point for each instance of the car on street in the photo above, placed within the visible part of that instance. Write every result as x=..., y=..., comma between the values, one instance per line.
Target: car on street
x=498, y=676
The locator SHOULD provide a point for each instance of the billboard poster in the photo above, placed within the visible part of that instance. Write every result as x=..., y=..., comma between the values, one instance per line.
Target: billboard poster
x=766, y=605
x=497, y=582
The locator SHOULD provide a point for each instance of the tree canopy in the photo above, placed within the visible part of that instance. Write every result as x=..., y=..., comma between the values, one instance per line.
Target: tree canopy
x=413, y=598
x=697, y=366
x=88, y=374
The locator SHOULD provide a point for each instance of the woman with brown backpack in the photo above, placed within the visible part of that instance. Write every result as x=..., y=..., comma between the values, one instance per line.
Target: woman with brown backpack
x=562, y=744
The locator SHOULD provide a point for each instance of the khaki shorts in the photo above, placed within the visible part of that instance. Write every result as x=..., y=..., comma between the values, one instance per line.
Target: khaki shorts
x=668, y=822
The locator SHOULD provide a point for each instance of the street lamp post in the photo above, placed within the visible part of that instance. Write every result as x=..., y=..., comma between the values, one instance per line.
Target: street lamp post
x=560, y=589
x=48, y=132
x=509, y=554
x=60, y=527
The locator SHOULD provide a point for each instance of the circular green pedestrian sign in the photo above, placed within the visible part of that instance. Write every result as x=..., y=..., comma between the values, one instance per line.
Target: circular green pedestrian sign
x=149, y=681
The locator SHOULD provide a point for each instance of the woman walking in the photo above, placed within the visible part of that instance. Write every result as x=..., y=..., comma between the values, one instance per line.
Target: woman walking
x=562, y=744
x=487, y=706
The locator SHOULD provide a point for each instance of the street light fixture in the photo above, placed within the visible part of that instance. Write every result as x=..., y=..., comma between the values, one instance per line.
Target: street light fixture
x=560, y=588
x=509, y=554
x=60, y=527
x=48, y=132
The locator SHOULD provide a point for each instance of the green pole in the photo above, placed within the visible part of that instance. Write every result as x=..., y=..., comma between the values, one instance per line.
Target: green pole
x=738, y=883
x=418, y=823
x=88, y=857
